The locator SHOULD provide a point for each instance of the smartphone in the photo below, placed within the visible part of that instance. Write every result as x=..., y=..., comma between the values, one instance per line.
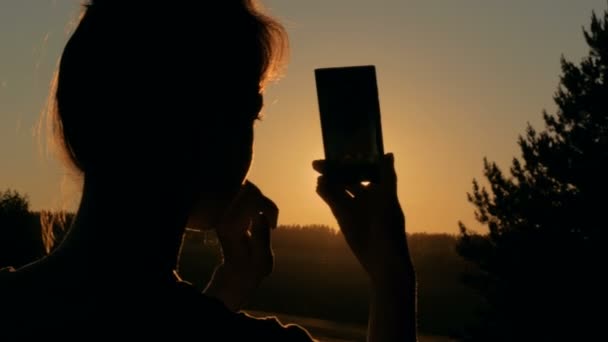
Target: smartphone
x=349, y=109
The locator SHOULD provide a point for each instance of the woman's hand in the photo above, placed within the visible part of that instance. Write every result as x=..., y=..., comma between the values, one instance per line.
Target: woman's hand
x=371, y=220
x=244, y=235
x=373, y=224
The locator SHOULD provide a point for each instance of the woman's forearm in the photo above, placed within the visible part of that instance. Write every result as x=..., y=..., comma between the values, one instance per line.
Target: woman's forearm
x=392, y=314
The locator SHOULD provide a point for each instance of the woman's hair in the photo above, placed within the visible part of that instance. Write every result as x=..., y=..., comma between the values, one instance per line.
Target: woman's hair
x=147, y=81
x=133, y=72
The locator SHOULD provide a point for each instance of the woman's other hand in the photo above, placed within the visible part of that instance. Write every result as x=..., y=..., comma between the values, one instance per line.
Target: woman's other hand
x=244, y=235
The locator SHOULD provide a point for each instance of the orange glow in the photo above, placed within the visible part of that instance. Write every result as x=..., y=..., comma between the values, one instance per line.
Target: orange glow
x=456, y=83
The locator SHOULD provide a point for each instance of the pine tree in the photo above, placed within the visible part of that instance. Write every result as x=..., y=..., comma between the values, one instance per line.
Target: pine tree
x=541, y=261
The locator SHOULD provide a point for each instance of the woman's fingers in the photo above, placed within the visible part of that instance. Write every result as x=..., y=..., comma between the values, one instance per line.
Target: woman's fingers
x=260, y=244
x=270, y=211
x=388, y=176
x=250, y=201
x=319, y=166
x=335, y=195
x=260, y=230
x=256, y=202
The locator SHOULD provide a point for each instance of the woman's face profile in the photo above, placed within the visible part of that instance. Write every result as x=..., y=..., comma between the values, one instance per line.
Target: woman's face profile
x=232, y=156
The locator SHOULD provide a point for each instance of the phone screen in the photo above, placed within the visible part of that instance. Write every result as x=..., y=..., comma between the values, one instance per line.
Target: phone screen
x=349, y=109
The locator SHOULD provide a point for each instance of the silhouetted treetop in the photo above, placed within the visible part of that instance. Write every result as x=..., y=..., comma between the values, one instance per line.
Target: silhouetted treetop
x=546, y=218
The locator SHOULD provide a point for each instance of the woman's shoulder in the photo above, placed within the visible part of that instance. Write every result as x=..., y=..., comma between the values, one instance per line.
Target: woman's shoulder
x=270, y=328
x=21, y=278
x=7, y=276
x=192, y=312
x=240, y=325
x=16, y=300
x=20, y=285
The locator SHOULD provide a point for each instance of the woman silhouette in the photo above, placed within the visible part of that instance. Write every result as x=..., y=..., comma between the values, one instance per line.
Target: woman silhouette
x=155, y=105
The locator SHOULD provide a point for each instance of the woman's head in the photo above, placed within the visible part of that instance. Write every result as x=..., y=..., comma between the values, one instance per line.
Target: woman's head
x=160, y=90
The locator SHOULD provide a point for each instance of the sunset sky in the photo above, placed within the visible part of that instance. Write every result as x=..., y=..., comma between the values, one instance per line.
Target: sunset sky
x=458, y=80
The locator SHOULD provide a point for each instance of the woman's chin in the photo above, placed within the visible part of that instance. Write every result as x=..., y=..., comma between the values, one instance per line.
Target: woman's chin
x=207, y=214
